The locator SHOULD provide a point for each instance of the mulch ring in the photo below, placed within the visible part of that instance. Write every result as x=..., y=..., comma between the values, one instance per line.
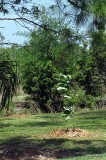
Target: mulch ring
x=69, y=133
x=18, y=116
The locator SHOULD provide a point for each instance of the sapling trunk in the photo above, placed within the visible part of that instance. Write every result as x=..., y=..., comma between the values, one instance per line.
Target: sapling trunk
x=73, y=118
x=73, y=122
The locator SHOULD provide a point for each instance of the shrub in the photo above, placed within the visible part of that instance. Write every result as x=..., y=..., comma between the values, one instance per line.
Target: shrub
x=40, y=81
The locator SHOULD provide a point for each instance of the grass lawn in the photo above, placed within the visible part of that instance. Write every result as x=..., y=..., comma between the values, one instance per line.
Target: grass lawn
x=29, y=136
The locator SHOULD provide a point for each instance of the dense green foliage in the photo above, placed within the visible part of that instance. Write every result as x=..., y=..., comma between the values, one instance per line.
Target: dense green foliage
x=48, y=55
x=40, y=82
x=55, y=54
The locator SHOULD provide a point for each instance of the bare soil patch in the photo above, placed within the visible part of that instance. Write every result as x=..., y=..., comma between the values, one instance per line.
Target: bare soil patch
x=25, y=153
x=36, y=153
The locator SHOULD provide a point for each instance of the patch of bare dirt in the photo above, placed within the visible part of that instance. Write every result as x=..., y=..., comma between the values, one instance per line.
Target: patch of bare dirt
x=18, y=116
x=25, y=153
x=36, y=153
x=69, y=133
x=29, y=158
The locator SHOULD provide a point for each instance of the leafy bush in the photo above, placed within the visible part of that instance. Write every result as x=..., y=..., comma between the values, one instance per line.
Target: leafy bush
x=40, y=81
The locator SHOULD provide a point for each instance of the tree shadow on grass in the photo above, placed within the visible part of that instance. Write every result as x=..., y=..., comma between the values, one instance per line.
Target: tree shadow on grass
x=20, y=147
x=4, y=125
x=97, y=127
x=34, y=124
x=101, y=114
x=41, y=124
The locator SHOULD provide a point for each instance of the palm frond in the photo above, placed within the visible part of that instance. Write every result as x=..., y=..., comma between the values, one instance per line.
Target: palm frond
x=9, y=81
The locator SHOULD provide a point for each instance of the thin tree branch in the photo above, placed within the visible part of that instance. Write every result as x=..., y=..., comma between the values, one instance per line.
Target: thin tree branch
x=37, y=24
x=28, y=21
x=13, y=44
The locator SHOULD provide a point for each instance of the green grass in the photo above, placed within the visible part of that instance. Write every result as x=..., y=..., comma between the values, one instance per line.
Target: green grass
x=89, y=157
x=27, y=134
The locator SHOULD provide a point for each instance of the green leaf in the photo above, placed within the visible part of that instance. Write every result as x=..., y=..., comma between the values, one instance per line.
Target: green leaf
x=67, y=112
